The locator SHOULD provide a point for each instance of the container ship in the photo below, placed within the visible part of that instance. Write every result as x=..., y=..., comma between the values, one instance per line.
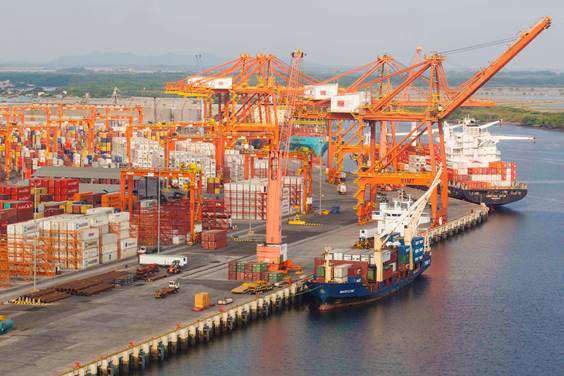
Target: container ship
x=476, y=172
x=352, y=277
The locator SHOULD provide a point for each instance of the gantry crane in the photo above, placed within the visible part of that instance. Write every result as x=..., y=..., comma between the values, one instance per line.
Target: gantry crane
x=439, y=106
x=193, y=187
x=242, y=98
x=274, y=251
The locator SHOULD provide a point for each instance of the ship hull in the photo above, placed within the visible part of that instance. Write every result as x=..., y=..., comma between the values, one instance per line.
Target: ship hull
x=490, y=197
x=331, y=296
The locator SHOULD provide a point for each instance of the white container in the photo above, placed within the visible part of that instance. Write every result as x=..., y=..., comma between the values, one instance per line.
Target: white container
x=108, y=239
x=88, y=262
x=128, y=252
x=89, y=234
x=109, y=248
x=349, y=103
x=109, y=257
x=78, y=224
x=128, y=243
x=321, y=92
x=100, y=211
x=341, y=271
x=162, y=260
x=119, y=217
x=90, y=253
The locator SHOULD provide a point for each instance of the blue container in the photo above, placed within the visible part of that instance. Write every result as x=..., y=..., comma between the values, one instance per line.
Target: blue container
x=6, y=325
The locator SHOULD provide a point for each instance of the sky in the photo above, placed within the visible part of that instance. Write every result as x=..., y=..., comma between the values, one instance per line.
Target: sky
x=332, y=32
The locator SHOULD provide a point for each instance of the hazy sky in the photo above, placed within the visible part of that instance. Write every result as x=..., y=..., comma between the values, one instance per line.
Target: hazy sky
x=329, y=31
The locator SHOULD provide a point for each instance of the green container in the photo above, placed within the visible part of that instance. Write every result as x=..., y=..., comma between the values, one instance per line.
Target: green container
x=371, y=274
x=256, y=268
x=263, y=267
x=320, y=271
x=240, y=267
x=403, y=259
x=274, y=277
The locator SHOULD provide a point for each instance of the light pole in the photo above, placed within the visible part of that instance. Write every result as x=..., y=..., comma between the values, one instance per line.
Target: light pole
x=320, y=172
x=158, y=212
x=34, y=268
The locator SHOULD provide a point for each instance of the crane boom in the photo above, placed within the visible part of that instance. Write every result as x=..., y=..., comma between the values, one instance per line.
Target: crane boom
x=483, y=76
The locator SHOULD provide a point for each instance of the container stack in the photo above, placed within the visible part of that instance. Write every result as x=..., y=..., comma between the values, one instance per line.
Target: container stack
x=70, y=242
x=197, y=148
x=111, y=200
x=214, y=239
x=214, y=215
x=234, y=170
x=59, y=189
x=248, y=271
x=213, y=186
x=261, y=168
x=182, y=159
x=247, y=199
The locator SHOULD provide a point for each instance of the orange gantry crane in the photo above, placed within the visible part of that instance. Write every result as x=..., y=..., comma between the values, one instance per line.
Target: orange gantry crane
x=193, y=185
x=439, y=104
x=305, y=170
x=274, y=251
x=243, y=98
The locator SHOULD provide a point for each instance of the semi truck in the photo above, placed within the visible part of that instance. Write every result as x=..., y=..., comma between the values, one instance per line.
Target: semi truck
x=163, y=260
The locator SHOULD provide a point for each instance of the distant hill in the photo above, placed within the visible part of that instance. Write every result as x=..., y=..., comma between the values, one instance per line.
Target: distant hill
x=127, y=59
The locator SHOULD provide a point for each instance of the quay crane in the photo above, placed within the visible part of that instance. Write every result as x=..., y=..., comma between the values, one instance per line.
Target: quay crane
x=274, y=251
x=381, y=169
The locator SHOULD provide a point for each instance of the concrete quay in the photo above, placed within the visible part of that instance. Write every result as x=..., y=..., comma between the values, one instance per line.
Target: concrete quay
x=94, y=335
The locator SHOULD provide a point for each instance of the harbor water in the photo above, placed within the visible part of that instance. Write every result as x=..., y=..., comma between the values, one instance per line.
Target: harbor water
x=491, y=304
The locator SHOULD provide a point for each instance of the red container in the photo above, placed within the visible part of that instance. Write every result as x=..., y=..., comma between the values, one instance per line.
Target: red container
x=231, y=275
x=256, y=276
x=232, y=267
x=248, y=276
x=25, y=215
x=24, y=205
x=240, y=276
x=264, y=276
x=249, y=267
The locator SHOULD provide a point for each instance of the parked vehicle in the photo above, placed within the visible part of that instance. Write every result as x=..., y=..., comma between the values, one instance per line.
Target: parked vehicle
x=173, y=288
x=162, y=260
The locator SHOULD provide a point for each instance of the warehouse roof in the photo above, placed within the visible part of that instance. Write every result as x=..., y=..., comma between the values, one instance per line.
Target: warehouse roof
x=77, y=172
x=98, y=188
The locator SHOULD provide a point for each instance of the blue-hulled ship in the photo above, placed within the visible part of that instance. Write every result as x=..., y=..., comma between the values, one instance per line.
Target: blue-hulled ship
x=362, y=276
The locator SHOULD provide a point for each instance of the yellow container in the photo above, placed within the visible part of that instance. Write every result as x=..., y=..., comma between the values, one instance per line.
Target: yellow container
x=84, y=208
x=202, y=300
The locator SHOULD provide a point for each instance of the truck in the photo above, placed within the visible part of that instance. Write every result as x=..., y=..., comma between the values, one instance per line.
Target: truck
x=174, y=268
x=172, y=288
x=342, y=189
x=162, y=260
x=146, y=271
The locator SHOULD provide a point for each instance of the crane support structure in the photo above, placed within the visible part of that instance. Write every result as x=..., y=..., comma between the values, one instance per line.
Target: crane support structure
x=194, y=188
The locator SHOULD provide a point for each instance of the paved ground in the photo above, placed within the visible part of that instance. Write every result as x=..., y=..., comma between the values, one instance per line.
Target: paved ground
x=50, y=339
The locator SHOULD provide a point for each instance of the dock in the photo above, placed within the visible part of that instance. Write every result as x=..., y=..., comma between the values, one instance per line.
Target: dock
x=125, y=329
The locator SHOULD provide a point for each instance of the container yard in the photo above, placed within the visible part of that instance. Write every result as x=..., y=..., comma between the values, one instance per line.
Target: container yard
x=124, y=242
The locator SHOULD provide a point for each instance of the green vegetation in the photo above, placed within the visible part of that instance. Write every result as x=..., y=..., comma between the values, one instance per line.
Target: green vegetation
x=551, y=120
x=77, y=82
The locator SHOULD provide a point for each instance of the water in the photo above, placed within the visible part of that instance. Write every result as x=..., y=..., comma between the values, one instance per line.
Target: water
x=491, y=304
